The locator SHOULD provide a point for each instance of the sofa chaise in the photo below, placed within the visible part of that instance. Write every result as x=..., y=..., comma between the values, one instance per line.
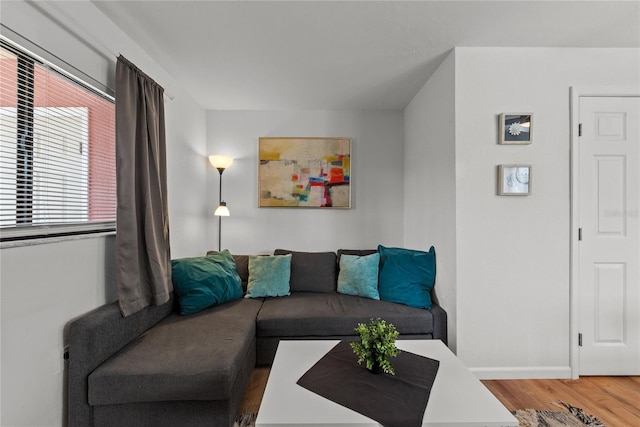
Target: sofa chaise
x=159, y=368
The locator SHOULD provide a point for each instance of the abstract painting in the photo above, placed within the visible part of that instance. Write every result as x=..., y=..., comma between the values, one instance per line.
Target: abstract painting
x=304, y=172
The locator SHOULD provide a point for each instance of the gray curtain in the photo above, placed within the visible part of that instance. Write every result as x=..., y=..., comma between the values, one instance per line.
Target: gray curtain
x=143, y=255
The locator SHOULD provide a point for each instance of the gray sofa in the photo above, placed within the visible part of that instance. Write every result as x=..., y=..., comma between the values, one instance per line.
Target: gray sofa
x=157, y=368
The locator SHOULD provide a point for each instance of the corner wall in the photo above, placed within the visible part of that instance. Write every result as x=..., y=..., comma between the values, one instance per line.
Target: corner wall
x=430, y=181
x=513, y=258
x=376, y=194
x=45, y=285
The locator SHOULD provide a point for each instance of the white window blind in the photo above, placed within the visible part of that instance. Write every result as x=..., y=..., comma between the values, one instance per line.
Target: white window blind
x=57, y=151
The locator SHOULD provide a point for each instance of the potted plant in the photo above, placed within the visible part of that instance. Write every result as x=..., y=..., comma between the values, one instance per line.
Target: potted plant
x=377, y=345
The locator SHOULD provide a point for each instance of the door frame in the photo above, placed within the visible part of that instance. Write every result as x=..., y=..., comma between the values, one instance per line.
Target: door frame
x=576, y=93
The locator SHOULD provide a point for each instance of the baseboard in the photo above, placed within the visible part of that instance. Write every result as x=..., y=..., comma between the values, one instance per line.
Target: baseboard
x=523, y=373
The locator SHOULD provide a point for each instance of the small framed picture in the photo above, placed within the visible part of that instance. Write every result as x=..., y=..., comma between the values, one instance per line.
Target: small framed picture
x=514, y=180
x=516, y=128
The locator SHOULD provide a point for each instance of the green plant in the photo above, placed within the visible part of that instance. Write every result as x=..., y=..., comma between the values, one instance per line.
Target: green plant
x=377, y=345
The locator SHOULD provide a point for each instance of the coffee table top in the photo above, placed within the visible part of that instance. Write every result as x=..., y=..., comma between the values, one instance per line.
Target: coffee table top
x=457, y=398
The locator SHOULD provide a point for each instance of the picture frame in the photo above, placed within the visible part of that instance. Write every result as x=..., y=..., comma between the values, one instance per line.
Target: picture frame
x=514, y=180
x=304, y=172
x=516, y=129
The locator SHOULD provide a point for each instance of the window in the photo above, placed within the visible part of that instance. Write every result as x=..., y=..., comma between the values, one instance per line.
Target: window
x=57, y=151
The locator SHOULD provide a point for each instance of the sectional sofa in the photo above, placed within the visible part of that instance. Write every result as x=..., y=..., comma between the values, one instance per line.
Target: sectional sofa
x=160, y=368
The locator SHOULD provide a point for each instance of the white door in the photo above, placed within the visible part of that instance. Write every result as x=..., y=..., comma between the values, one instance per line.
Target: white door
x=608, y=190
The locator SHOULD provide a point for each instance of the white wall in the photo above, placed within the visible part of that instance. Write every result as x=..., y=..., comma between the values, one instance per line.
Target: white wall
x=513, y=252
x=187, y=175
x=377, y=181
x=430, y=181
x=44, y=286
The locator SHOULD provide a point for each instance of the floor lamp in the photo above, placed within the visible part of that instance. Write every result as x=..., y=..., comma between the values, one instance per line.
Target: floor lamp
x=220, y=163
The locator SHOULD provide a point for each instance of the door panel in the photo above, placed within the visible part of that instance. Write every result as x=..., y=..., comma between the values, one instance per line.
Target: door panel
x=611, y=197
x=609, y=297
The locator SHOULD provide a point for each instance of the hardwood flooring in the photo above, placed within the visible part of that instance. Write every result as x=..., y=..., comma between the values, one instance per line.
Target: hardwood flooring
x=614, y=400
x=255, y=390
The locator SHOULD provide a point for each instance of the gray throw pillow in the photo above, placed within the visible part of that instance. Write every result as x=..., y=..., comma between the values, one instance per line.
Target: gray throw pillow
x=312, y=271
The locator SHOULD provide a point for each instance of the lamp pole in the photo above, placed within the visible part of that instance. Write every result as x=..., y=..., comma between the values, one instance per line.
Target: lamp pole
x=220, y=216
x=220, y=163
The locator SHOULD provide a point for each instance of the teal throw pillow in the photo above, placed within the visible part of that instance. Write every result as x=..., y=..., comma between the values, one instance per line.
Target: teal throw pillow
x=205, y=281
x=268, y=276
x=407, y=276
x=359, y=275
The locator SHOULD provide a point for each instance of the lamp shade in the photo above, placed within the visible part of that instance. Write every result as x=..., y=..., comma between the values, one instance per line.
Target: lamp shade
x=222, y=210
x=220, y=162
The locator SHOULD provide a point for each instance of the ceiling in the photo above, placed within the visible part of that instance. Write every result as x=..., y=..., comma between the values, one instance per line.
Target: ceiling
x=239, y=55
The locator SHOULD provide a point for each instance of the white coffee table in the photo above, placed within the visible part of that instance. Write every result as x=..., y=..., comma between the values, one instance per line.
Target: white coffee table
x=457, y=398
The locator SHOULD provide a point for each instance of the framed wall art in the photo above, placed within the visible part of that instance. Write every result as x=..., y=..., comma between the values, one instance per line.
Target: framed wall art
x=516, y=128
x=304, y=172
x=514, y=180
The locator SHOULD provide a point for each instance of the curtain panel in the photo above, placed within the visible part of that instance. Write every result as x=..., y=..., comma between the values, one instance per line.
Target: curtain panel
x=143, y=258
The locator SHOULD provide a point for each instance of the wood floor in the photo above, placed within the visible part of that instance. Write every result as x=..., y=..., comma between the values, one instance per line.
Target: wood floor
x=253, y=395
x=614, y=400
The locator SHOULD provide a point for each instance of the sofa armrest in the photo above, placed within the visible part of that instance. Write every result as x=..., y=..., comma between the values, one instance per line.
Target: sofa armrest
x=439, y=323
x=93, y=338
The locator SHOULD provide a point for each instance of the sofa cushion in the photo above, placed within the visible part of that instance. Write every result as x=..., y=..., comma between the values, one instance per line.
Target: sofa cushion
x=269, y=276
x=359, y=275
x=312, y=271
x=242, y=265
x=181, y=358
x=307, y=314
x=201, y=282
x=407, y=276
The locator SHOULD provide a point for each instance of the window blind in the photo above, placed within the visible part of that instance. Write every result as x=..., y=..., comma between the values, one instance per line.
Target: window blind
x=57, y=151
